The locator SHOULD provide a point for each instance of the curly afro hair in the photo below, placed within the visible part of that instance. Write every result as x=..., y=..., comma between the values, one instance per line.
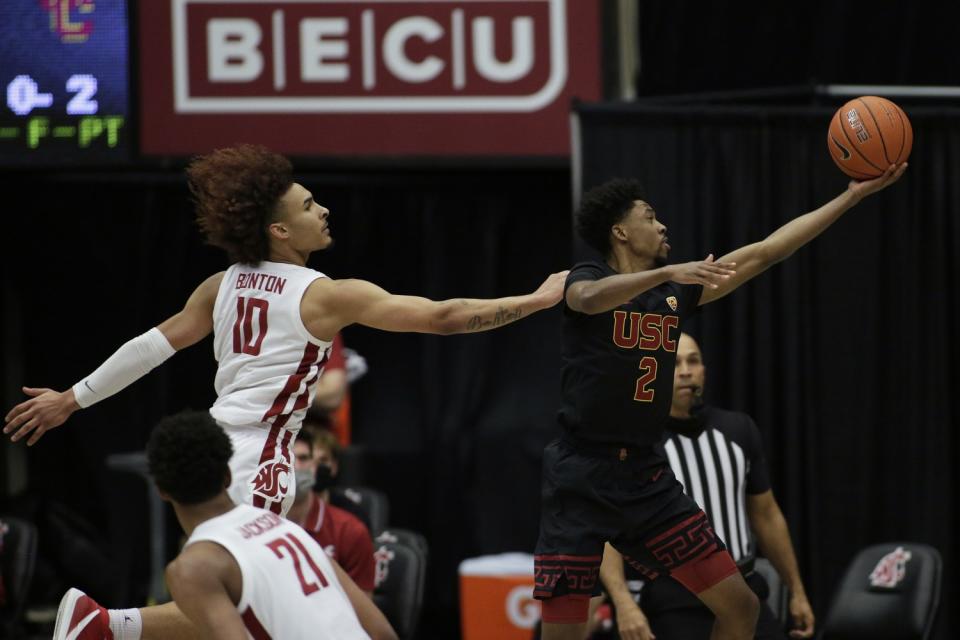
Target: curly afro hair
x=604, y=206
x=236, y=192
x=188, y=456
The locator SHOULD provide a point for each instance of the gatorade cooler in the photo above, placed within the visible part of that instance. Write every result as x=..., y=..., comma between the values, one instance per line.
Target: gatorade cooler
x=496, y=597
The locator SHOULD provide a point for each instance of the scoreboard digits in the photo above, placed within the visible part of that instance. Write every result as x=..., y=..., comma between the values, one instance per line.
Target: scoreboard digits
x=63, y=72
x=23, y=95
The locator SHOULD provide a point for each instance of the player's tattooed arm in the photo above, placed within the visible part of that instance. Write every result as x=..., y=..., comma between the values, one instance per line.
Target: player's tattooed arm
x=501, y=317
x=331, y=305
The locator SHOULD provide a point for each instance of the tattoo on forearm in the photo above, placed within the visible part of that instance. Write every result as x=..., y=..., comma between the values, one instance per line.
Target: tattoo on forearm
x=501, y=317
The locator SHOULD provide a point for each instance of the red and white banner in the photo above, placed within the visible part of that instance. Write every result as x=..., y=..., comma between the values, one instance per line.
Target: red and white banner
x=367, y=77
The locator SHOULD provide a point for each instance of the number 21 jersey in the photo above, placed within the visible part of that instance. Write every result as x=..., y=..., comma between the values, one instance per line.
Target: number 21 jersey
x=290, y=591
x=268, y=363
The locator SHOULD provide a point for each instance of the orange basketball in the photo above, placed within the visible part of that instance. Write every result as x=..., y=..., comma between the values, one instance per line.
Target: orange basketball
x=867, y=135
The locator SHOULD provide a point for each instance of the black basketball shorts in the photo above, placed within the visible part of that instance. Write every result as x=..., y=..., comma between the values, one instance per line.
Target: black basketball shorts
x=630, y=498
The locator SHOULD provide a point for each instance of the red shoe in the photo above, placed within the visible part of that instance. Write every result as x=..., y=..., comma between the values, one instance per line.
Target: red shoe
x=81, y=618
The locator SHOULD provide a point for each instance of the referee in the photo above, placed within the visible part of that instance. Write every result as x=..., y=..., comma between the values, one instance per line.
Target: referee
x=717, y=456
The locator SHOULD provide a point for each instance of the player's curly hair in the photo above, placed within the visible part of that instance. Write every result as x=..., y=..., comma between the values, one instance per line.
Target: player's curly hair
x=236, y=192
x=604, y=206
x=188, y=455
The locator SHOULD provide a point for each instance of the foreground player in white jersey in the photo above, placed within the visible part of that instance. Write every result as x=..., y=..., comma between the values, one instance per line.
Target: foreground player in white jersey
x=244, y=572
x=273, y=320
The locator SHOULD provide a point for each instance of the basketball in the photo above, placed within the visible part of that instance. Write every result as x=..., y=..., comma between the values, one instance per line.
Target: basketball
x=867, y=135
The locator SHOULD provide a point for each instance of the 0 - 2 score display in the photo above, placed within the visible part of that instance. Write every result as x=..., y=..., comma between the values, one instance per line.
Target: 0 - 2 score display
x=25, y=98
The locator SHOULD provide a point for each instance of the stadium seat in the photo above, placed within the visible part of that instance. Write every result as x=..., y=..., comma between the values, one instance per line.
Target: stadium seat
x=400, y=577
x=405, y=536
x=888, y=591
x=411, y=539
x=370, y=505
x=17, y=561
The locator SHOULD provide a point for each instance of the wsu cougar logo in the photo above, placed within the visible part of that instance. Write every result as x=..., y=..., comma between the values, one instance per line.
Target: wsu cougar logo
x=382, y=557
x=272, y=480
x=891, y=570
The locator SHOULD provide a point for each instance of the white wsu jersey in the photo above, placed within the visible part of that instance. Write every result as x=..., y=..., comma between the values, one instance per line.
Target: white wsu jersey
x=268, y=361
x=290, y=590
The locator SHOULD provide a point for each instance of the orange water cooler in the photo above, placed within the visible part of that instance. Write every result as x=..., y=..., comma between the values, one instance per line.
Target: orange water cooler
x=496, y=597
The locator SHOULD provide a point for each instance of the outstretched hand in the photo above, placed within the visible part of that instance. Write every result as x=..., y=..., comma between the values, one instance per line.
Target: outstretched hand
x=709, y=273
x=863, y=188
x=552, y=288
x=45, y=410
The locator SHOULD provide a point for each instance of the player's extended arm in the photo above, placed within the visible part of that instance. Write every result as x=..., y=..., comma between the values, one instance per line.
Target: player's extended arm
x=330, y=305
x=631, y=623
x=773, y=538
x=598, y=296
x=371, y=618
x=754, y=259
x=198, y=585
x=47, y=409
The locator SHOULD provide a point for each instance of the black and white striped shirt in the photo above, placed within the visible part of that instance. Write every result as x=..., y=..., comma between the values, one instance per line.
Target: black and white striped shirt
x=718, y=464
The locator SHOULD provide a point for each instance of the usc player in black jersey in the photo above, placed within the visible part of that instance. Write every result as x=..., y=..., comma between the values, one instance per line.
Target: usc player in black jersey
x=603, y=481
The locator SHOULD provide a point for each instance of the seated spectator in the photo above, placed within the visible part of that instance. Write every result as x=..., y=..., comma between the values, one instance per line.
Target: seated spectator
x=341, y=534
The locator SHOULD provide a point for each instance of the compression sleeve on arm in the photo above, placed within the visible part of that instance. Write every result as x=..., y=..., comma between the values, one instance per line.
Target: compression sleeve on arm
x=128, y=364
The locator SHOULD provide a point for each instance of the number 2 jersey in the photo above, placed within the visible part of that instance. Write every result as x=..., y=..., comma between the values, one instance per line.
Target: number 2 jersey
x=617, y=380
x=268, y=363
x=290, y=591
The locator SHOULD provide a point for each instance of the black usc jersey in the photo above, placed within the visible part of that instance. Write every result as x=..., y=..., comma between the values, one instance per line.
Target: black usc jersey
x=617, y=381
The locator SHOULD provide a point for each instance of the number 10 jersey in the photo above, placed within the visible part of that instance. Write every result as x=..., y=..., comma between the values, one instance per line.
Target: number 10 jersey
x=268, y=363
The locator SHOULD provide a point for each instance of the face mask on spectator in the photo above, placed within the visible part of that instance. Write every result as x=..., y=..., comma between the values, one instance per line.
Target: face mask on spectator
x=323, y=479
x=304, y=480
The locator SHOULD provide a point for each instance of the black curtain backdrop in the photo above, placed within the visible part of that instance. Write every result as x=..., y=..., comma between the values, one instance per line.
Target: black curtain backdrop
x=687, y=46
x=453, y=426
x=845, y=353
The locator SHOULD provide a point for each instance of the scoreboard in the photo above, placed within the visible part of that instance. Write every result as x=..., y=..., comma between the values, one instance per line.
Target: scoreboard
x=63, y=82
